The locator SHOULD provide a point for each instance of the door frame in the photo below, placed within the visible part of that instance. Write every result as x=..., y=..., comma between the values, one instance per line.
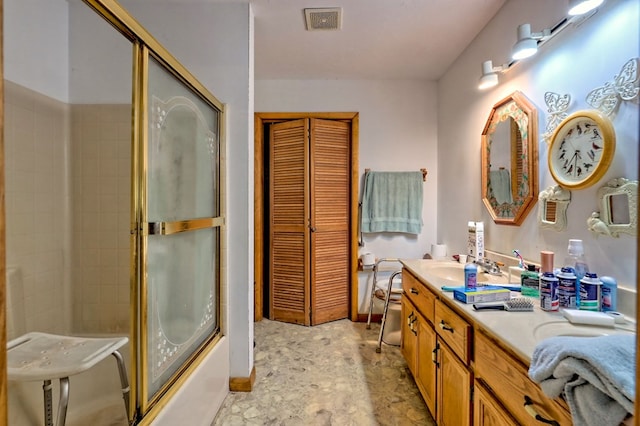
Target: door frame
x=260, y=119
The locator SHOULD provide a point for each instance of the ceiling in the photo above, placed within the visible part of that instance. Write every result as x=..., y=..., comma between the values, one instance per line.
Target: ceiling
x=379, y=39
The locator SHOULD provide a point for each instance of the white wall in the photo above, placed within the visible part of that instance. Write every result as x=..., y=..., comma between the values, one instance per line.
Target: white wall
x=397, y=133
x=576, y=61
x=36, y=48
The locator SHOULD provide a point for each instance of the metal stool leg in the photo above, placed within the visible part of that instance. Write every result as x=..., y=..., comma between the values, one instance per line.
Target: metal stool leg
x=373, y=291
x=48, y=406
x=386, y=308
x=124, y=381
x=64, y=401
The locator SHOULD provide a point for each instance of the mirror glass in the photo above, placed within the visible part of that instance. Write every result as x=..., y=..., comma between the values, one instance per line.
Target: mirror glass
x=618, y=209
x=510, y=160
x=618, y=205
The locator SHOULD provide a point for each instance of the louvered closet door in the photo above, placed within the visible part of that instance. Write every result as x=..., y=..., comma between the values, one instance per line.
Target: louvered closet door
x=330, y=183
x=289, y=226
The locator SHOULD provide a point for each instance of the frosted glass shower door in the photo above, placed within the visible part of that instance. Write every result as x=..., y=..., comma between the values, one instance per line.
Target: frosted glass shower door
x=181, y=248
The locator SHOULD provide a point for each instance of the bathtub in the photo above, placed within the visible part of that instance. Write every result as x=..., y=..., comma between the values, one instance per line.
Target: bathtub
x=95, y=397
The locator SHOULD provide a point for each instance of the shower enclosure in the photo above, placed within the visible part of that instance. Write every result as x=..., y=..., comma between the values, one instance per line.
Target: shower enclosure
x=180, y=217
x=121, y=171
x=176, y=217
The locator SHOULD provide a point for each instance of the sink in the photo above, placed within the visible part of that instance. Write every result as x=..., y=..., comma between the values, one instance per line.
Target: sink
x=455, y=272
x=564, y=328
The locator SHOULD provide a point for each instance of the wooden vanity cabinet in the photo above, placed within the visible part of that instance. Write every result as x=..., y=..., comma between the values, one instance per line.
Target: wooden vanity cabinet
x=435, y=344
x=486, y=411
x=419, y=342
x=509, y=386
x=464, y=374
x=454, y=378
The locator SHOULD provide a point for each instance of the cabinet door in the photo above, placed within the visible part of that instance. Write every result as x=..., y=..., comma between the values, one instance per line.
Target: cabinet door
x=486, y=411
x=426, y=363
x=454, y=389
x=409, y=333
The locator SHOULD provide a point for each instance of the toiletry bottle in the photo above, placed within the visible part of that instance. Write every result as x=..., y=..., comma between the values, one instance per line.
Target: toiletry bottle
x=577, y=260
x=470, y=276
x=609, y=293
x=590, y=292
x=567, y=288
x=548, y=283
x=530, y=282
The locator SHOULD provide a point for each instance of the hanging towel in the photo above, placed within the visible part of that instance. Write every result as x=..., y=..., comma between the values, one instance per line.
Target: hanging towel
x=596, y=374
x=392, y=202
x=501, y=186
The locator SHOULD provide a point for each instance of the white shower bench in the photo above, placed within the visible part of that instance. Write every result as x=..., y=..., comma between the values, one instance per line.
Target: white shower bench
x=42, y=357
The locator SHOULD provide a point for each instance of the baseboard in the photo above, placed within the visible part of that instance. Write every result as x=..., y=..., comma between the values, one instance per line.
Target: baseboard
x=243, y=384
x=375, y=318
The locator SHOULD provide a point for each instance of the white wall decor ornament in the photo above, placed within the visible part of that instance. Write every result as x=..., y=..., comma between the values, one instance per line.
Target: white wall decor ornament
x=552, y=209
x=623, y=87
x=618, y=209
x=557, y=106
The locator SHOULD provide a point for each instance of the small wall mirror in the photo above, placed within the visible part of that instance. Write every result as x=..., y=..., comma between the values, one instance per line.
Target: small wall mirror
x=552, y=211
x=618, y=209
x=510, y=160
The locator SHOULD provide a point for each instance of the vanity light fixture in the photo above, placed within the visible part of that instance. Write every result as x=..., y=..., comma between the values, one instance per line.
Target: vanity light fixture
x=580, y=7
x=527, y=44
x=489, y=76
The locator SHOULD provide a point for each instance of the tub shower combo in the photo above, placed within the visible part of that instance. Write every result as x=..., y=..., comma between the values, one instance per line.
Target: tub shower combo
x=175, y=238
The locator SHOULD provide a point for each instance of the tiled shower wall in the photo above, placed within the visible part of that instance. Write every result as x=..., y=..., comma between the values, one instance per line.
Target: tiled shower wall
x=67, y=206
x=100, y=171
x=37, y=212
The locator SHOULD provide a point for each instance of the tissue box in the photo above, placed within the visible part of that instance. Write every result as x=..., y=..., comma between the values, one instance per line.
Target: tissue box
x=482, y=294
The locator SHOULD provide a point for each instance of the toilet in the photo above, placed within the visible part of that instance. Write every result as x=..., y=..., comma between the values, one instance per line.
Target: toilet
x=391, y=334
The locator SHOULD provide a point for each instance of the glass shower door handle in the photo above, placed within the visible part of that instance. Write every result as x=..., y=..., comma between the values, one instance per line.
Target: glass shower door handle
x=170, y=228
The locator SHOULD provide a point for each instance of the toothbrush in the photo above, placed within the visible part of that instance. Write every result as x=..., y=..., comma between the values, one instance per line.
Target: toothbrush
x=520, y=259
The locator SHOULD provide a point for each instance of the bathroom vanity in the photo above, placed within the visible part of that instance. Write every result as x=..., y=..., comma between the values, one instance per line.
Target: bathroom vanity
x=472, y=366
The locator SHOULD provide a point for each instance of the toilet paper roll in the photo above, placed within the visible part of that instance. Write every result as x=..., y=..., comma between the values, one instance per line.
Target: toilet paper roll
x=438, y=251
x=368, y=259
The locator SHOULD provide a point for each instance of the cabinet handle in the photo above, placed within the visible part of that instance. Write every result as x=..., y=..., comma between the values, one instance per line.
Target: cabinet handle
x=445, y=326
x=413, y=291
x=409, y=319
x=434, y=355
x=528, y=406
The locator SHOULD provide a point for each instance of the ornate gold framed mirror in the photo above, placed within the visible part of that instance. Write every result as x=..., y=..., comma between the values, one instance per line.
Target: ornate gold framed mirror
x=510, y=159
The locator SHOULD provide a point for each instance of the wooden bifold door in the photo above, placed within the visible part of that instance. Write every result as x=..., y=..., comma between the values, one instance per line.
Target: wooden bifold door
x=309, y=220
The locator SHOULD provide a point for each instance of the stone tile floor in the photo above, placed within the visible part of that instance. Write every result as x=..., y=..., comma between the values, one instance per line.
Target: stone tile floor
x=328, y=375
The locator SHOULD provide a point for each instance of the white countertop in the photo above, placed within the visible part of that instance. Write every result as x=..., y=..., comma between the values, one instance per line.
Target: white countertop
x=514, y=329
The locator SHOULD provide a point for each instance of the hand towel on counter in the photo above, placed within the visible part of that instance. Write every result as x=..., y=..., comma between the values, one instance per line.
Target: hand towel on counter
x=596, y=374
x=392, y=202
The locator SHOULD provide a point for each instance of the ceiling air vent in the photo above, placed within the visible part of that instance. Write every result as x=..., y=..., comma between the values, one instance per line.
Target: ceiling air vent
x=327, y=18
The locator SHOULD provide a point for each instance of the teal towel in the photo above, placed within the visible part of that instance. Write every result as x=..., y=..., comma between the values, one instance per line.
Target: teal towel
x=596, y=375
x=392, y=202
x=501, y=186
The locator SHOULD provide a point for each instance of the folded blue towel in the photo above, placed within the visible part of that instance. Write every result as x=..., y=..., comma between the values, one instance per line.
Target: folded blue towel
x=596, y=374
x=392, y=202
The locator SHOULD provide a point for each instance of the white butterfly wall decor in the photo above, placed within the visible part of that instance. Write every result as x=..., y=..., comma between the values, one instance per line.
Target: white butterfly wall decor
x=557, y=106
x=623, y=87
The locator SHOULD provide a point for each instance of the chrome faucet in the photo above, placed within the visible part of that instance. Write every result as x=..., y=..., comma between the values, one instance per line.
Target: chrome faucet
x=488, y=266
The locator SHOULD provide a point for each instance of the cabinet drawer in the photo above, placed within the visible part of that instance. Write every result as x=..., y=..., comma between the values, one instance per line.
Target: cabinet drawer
x=511, y=386
x=418, y=293
x=453, y=330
